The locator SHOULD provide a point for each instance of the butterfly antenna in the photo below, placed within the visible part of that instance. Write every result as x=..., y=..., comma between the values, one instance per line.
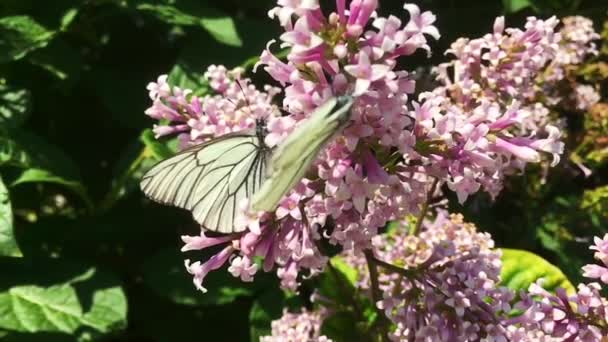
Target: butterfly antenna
x=238, y=82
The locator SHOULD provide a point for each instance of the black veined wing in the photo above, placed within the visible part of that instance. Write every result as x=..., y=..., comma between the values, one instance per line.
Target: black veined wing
x=212, y=178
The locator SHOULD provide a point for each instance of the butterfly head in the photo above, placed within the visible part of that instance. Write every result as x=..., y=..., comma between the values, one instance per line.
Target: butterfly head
x=260, y=128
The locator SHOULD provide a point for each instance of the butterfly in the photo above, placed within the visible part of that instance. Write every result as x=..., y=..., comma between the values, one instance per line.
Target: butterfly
x=211, y=179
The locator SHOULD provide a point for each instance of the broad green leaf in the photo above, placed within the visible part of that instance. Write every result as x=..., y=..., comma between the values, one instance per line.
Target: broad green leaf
x=338, y=282
x=266, y=308
x=41, y=161
x=45, y=176
x=349, y=272
x=58, y=308
x=341, y=326
x=165, y=274
x=8, y=245
x=522, y=268
x=512, y=6
x=20, y=35
x=223, y=30
x=219, y=26
x=14, y=106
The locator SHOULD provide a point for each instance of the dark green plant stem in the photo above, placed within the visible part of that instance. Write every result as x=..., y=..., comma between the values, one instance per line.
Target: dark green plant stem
x=425, y=207
x=376, y=294
x=395, y=269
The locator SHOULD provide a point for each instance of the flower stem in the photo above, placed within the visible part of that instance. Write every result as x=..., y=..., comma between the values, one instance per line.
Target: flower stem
x=395, y=269
x=425, y=207
x=376, y=294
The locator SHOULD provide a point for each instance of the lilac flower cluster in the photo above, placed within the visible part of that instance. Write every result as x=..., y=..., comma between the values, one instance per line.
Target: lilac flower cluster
x=297, y=327
x=447, y=290
x=580, y=316
x=381, y=167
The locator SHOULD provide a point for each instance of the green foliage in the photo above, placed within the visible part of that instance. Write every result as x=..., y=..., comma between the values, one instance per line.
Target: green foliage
x=8, y=245
x=20, y=35
x=74, y=143
x=14, y=106
x=522, y=268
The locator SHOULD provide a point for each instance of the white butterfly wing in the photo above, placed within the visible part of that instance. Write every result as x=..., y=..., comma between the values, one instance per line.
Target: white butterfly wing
x=293, y=157
x=210, y=179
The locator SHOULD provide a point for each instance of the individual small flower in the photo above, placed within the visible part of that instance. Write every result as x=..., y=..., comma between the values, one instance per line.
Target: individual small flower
x=365, y=73
x=243, y=268
x=200, y=270
x=601, y=254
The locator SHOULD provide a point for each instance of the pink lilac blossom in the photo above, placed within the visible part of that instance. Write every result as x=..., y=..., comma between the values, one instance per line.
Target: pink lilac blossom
x=601, y=254
x=297, y=327
x=582, y=316
x=452, y=292
x=585, y=96
x=380, y=168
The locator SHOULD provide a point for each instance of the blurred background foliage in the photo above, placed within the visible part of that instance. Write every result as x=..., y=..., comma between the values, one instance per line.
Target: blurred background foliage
x=83, y=256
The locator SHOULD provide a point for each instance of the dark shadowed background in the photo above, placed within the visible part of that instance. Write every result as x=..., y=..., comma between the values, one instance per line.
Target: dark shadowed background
x=91, y=259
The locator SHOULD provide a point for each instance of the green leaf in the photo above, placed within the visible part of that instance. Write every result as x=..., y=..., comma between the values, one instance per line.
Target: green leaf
x=266, y=308
x=220, y=27
x=223, y=30
x=41, y=161
x=183, y=76
x=596, y=201
x=338, y=282
x=165, y=274
x=68, y=18
x=14, y=106
x=59, y=308
x=341, y=326
x=8, y=245
x=512, y=6
x=522, y=268
x=349, y=272
x=19, y=35
x=154, y=147
x=45, y=176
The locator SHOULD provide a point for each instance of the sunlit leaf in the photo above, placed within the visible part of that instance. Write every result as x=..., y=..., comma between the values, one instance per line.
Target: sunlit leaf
x=8, y=245
x=522, y=268
x=59, y=308
x=20, y=35
x=14, y=106
x=223, y=30
x=219, y=26
x=512, y=6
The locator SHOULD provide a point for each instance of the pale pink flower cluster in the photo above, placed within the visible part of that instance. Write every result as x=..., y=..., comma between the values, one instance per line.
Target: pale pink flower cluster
x=578, y=36
x=451, y=292
x=488, y=118
x=601, y=253
x=380, y=167
x=234, y=107
x=560, y=316
x=580, y=317
x=350, y=51
x=304, y=326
